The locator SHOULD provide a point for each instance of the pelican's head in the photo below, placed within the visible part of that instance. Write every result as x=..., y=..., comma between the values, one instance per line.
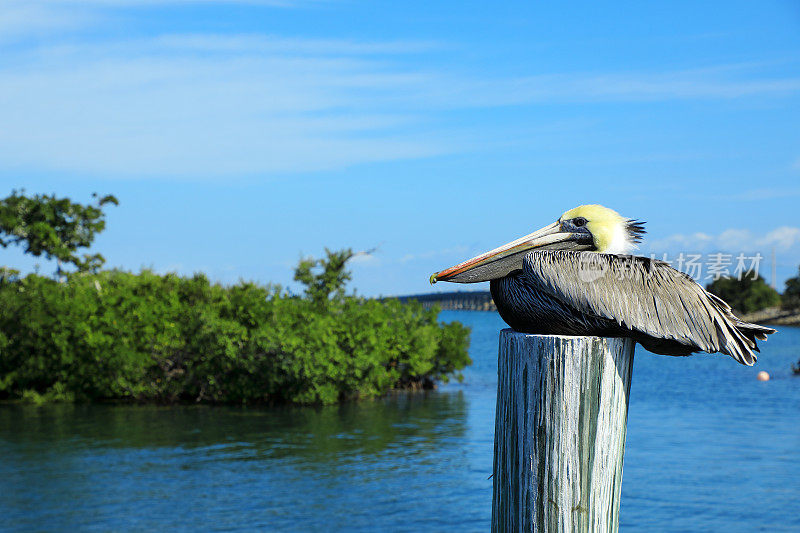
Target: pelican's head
x=586, y=228
x=611, y=233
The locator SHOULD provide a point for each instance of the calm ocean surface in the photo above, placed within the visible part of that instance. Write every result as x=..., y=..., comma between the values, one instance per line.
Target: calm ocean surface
x=709, y=448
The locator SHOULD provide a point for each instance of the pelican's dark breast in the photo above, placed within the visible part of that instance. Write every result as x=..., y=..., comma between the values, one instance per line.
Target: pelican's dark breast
x=527, y=309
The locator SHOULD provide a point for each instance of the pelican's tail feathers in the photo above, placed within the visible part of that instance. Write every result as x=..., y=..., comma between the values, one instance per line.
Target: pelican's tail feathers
x=754, y=331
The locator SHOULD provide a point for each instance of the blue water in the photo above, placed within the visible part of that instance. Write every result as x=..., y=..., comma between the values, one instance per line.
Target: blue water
x=709, y=448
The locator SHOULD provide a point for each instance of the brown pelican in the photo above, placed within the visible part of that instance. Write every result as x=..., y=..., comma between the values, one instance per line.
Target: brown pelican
x=575, y=277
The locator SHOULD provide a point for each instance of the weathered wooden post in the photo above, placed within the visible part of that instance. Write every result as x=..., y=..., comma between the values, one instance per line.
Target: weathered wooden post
x=562, y=405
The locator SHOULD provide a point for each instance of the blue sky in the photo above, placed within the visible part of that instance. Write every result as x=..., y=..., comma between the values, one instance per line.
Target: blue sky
x=240, y=135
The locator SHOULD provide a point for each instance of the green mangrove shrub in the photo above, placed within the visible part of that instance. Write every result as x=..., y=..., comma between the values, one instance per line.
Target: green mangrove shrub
x=167, y=338
x=745, y=295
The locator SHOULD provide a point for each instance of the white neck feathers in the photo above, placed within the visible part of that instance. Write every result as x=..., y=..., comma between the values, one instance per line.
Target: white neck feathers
x=620, y=243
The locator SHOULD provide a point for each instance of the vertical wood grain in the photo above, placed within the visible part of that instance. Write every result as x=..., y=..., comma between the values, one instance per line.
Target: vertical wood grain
x=562, y=406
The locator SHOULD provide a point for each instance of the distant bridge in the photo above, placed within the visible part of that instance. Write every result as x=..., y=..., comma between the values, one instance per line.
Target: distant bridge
x=461, y=300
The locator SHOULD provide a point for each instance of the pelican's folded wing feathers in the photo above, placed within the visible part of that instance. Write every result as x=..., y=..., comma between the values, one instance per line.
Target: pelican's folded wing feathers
x=646, y=296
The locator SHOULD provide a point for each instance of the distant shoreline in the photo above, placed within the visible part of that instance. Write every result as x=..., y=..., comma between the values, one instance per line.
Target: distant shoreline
x=454, y=301
x=774, y=316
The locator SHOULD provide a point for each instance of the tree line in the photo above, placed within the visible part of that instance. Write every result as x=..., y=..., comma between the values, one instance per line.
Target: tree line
x=750, y=294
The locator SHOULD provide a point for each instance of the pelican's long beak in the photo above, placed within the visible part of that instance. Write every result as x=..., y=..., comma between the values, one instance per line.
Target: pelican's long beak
x=503, y=260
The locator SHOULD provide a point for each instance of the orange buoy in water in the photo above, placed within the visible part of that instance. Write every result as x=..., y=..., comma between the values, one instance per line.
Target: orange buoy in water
x=762, y=376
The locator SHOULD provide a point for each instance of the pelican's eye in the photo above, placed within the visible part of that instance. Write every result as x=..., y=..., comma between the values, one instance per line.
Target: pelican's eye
x=579, y=222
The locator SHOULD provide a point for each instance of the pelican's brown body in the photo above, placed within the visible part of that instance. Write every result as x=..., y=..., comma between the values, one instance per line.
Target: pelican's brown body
x=558, y=281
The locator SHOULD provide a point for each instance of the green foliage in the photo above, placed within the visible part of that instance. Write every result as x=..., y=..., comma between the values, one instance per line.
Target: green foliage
x=745, y=295
x=324, y=278
x=791, y=295
x=116, y=335
x=148, y=337
x=54, y=227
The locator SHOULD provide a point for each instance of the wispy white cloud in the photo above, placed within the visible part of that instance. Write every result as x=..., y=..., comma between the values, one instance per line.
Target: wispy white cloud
x=241, y=107
x=19, y=19
x=203, y=105
x=694, y=241
x=140, y=3
x=783, y=238
x=24, y=18
x=118, y=4
x=622, y=87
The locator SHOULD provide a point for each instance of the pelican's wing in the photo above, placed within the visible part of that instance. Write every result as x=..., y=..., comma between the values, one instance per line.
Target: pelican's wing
x=646, y=296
